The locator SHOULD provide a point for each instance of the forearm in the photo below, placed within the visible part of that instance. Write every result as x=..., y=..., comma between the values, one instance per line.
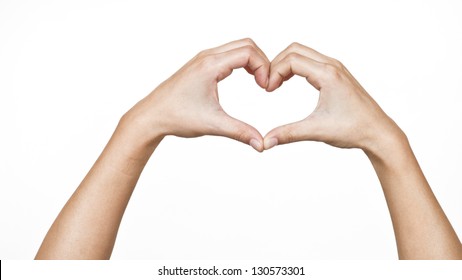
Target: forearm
x=422, y=230
x=87, y=226
x=185, y=105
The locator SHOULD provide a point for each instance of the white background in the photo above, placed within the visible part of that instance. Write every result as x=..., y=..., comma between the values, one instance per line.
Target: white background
x=70, y=69
x=314, y=270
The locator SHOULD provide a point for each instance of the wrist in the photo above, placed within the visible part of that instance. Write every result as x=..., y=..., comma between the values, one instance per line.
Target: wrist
x=128, y=150
x=142, y=124
x=136, y=137
x=387, y=145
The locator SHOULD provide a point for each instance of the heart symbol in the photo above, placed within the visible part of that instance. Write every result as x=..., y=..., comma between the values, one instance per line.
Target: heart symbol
x=345, y=115
x=241, y=99
x=187, y=104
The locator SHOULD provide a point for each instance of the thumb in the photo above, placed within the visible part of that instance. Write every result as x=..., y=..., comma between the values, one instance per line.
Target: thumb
x=303, y=130
x=235, y=129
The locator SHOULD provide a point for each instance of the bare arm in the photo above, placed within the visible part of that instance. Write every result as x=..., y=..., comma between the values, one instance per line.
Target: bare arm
x=87, y=226
x=422, y=230
x=348, y=117
x=185, y=105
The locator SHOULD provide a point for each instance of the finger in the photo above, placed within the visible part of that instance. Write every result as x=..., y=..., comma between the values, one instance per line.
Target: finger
x=247, y=57
x=288, y=76
x=295, y=64
x=235, y=129
x=298, y=131
x=302, y=50
x=249, y=70
x=234, y=45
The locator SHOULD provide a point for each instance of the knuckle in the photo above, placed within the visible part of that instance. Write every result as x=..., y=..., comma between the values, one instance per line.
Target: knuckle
x=294, y=46
x=292, y=57
x=248, y=41
x=285, y=134
x=248, y=50
x=331, y=72
x=240, y=135
x=207, y=62
x=290, y=138
x=203, y=53
x=337, y=63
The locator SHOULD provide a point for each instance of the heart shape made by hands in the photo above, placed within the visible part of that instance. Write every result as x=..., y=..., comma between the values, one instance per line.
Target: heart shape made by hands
x=345, y=115
x=290, y=103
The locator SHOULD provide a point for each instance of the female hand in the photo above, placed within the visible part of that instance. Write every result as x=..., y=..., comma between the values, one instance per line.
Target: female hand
x=345, y=116
x=187, y=105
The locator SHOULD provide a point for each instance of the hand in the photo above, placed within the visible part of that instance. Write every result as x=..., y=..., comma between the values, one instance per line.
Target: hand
x=345, y=116
x=186, y=105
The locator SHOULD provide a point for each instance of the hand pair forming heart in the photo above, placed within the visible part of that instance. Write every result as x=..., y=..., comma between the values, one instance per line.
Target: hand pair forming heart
x=187, y=105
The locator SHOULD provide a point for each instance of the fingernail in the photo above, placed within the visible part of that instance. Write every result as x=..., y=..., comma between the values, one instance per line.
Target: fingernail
x=255, y=144
x=269, y=143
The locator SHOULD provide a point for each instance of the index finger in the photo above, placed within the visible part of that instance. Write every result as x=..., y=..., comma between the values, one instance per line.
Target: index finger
x=234, y=45
x=295, y=64
x=243, y=57
x=303, y=50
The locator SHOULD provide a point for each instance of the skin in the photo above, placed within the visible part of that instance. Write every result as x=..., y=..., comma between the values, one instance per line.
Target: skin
x=185, y=105
x=346, y=117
